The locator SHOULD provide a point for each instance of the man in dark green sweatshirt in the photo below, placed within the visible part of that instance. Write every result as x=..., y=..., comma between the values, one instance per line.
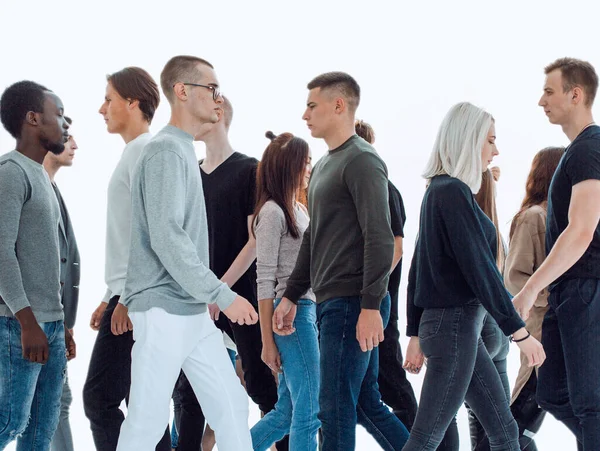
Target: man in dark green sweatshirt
x=345, y=257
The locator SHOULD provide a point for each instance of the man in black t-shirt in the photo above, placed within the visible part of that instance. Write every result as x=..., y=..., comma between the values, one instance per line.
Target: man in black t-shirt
x=395, y=389
x=569, y=380
x=228, y=181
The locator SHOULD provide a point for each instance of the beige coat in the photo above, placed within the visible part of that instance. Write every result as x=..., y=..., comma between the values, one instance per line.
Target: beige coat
x=526, y=253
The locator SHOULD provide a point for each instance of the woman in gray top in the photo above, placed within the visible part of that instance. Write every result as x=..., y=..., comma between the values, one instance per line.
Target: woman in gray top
x=280, y=220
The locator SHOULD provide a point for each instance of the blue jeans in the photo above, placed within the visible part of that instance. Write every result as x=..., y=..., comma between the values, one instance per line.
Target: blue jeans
x=298, y=394
x=30, y=392
x=63, y=438
x=569, y=380
x=459, y=368
x=349, y=390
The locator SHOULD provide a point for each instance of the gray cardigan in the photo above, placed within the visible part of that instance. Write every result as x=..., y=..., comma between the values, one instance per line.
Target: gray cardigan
x=69, y=263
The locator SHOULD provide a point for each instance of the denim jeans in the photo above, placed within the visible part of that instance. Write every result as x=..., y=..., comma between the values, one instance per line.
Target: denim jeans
x=298, y=404
x=30, y=392
x=569, y=380
x=459, y=368
x=63, y=438
x=349, y=391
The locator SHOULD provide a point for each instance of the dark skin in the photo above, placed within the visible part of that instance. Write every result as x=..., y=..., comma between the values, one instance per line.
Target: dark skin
x=40, y=133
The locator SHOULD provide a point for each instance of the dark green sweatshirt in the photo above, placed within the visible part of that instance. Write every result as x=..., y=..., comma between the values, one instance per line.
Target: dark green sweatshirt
x=348, y=247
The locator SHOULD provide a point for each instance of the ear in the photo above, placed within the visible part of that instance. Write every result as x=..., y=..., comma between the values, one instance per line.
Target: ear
x=133, y=103
x=32, y=118
x=340, y=105
x=220, y=114
x=180, y=91
x=577, y=95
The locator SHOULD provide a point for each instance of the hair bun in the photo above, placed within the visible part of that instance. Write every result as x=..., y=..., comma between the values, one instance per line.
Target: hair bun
x=271, y=135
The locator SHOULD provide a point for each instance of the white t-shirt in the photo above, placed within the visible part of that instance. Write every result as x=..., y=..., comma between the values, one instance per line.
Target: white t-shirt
x=118, y=217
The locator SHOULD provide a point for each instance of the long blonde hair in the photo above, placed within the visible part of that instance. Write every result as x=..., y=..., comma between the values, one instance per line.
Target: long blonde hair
x=458, y=145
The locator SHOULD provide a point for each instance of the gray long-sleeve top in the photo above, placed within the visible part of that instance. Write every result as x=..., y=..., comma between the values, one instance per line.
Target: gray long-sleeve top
x=29, y=246
x=277, y=249
x=168, y=258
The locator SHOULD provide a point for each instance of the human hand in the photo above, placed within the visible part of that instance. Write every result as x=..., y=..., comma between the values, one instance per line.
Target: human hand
x=241, y=311
x=97, y=316
x=530, y=347
x=70, y=344
x=414, y=356
x=283, y=317
x=369, y=329
x=523, y=302
x=120, y=322
x=270, y=355
x=214, y=311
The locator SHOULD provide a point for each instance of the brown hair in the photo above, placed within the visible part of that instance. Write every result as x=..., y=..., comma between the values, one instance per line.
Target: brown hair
x=134, y=83
x=180, y=68
x=576, y=73
x=537, y=186
x=486, y=199
x=365, y=131
x=279, y=175
x=340, y=81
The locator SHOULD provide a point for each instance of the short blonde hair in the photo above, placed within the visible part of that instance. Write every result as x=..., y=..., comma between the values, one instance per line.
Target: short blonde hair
x=458, y=145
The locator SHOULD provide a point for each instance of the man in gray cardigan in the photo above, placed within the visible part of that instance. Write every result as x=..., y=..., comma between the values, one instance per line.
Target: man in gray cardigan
x=70, y=274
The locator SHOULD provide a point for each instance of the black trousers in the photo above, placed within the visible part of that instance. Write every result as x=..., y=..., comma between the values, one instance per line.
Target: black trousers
x=395, y=389
x=107, y=385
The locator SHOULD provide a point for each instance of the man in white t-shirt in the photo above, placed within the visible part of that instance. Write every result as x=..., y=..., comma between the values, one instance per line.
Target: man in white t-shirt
x=130, y=101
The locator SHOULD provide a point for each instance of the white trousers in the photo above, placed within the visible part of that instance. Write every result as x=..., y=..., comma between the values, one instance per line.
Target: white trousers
x=164, y=344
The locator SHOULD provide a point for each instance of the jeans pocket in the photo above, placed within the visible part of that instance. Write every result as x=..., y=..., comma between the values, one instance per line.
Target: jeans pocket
x=431, y=322
x=587, y=290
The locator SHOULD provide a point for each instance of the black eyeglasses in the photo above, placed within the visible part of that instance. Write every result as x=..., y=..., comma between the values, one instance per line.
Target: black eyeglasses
x=216, y=92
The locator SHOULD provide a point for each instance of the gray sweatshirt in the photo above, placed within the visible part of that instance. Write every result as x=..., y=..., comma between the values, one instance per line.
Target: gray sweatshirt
x=29, y=246
x=168, y=257
x=277, y=249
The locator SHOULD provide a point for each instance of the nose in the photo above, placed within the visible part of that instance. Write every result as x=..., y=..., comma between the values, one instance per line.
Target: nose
x=542, y=102
x=305, y=115
x=102, y=109
x=219, y=100
x=495, y=152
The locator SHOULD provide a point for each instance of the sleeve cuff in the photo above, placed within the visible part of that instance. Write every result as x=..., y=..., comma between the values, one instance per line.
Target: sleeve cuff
x=292, y=294
x=18, y=304
x=226, y=297
x=412, y=330
x=512, y=324
x=107, y=296
x=370, y=302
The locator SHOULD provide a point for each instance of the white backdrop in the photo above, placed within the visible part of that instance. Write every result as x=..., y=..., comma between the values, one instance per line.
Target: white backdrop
x=413, y=61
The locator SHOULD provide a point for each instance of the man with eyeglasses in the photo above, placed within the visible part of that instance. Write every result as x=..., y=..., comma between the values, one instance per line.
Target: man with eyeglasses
x=169, y=283
x=229, y=184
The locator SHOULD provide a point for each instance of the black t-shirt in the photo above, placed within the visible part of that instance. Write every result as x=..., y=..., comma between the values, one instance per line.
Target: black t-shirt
x=229, y=193
x=397, y=220
x=580, y=162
